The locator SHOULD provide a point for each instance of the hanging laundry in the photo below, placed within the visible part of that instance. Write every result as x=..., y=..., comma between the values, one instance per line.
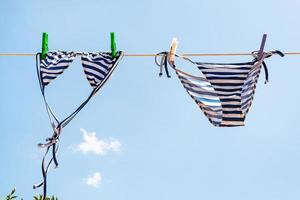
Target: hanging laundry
x=226, y=90
x=97, y=67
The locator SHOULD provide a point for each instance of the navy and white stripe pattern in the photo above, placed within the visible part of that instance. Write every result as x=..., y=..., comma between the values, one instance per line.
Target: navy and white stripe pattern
x=204, y=95
x=98, y=66
x=55, y=64
x=226, y=92
x=248, y=88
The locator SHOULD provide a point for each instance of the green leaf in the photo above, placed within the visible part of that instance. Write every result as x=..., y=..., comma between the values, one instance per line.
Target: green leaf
x=13, y=191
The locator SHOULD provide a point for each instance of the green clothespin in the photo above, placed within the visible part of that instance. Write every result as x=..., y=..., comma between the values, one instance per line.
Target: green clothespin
x=45, y=48
x=113, y=44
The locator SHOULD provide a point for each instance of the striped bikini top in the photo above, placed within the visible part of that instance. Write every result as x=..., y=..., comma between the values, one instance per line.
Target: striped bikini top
x=97, y=67
x=225, y=91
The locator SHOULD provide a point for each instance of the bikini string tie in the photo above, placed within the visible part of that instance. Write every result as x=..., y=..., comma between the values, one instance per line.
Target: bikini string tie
x=163, y=63
x=53, y=144
x=267, y=55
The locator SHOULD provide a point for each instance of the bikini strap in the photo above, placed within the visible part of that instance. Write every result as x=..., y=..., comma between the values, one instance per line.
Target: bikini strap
x=163, y=63
x=266, y=55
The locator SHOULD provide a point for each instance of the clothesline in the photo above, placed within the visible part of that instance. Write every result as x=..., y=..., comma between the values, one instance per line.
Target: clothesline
x=151, y=55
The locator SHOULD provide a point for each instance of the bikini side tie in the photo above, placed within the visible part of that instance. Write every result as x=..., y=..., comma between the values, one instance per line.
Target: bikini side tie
x=163, y=63
x=267, y=55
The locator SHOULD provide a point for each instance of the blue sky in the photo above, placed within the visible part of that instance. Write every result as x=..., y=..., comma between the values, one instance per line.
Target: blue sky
x=157, y=143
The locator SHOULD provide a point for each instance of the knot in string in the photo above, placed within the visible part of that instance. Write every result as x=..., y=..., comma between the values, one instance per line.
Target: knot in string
x=53, y=144
x=162, y=63
x=266, y=55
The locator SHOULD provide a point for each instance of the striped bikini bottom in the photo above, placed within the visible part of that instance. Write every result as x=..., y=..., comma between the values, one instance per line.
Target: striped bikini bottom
x=225, y=91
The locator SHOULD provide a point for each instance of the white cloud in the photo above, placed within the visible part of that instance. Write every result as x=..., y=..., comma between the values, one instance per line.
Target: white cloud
x=94, y=180
x=91, y=144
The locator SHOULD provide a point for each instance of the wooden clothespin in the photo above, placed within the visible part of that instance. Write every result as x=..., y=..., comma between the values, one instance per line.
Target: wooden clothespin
x=262, y=46
x=173, y=49
x=45, y=48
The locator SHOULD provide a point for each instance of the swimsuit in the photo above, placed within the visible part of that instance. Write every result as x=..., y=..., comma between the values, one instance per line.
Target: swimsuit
x=225, y=91
x=97, y=67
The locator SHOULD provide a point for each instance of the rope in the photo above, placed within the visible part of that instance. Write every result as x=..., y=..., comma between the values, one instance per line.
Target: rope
x=152, y=55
